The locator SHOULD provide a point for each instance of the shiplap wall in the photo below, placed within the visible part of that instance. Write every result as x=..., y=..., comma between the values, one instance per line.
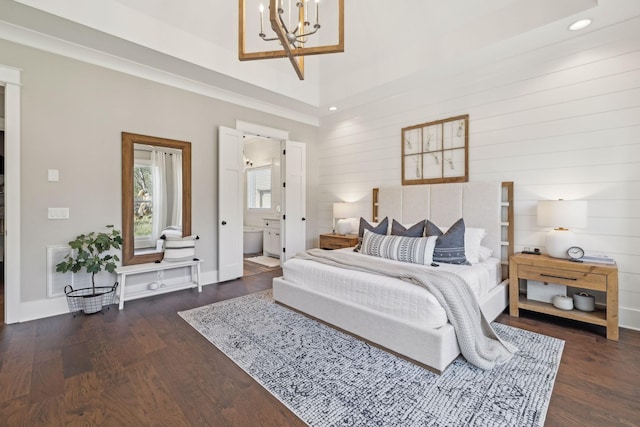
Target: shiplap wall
x=561, y=122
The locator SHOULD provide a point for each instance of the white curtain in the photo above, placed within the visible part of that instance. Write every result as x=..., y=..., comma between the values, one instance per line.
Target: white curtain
x=176, y=172
x=159, y=172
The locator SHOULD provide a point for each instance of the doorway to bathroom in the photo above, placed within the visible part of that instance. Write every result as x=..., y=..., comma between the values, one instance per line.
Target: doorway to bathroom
x=262, y=197
x=290, y=228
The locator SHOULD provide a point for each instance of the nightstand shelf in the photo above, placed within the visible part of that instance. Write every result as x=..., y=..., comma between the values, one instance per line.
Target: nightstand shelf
x=583, y=276
x=338, y=241
x=598, y=317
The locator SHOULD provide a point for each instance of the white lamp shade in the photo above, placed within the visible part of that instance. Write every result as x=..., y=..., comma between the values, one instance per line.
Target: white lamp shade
x=562, y=213
x=342, y=210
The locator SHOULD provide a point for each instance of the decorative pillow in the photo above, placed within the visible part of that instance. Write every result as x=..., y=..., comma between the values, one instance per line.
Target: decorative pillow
x=416, y=250
x=416, y=230
x=179, y=249
x=450, y=245
x=472, y=239
x=380, y=228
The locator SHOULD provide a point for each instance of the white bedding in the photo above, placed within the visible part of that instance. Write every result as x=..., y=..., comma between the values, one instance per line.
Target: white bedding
x=387, y=295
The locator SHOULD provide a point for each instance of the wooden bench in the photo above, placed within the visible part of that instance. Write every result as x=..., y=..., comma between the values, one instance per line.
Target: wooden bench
x=129, y=270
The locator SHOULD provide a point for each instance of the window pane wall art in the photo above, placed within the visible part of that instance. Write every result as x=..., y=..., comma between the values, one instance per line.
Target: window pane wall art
x=436, y=152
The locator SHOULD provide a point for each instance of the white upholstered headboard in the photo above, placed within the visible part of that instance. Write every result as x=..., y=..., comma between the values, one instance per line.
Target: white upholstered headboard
x=487, y=205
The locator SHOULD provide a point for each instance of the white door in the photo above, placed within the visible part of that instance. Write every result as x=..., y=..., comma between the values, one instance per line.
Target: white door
x=294, y=223
x=13, y=307
x=230, y=204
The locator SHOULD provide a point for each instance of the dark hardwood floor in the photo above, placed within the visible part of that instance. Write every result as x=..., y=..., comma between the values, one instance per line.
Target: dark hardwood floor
x=144, y=366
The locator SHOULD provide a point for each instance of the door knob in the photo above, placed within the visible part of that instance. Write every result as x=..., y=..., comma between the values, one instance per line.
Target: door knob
x=304, y=219
x=224, y=222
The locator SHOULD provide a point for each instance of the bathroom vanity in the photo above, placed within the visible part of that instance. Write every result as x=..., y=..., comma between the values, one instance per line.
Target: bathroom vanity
x=271, y=245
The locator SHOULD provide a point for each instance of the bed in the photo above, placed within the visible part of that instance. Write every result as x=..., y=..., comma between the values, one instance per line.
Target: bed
x=397, y=315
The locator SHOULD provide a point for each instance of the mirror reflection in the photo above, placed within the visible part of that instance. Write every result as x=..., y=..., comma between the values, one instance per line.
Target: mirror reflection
x=156, y=194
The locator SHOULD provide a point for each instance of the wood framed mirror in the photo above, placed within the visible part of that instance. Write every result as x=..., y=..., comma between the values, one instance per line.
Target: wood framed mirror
x=156, y=195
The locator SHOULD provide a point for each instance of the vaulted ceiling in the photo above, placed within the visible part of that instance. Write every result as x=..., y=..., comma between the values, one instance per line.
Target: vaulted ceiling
x=388, y=45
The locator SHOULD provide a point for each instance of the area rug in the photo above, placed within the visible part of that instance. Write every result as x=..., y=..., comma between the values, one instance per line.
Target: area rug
x=267, y=261
x=329, y=378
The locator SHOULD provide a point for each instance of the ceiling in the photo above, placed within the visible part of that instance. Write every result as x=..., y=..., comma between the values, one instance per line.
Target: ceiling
x=388, y=45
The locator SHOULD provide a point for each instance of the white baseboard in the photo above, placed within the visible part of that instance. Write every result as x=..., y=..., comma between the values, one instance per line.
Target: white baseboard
x=629, y=318
x=209, y=277
x=40, y=309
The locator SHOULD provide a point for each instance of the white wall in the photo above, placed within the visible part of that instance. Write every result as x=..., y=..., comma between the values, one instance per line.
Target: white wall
x=73, y=114
x=561, y=122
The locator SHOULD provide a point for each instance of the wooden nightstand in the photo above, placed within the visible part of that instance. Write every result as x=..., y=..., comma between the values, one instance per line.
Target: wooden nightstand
x=338, y=241
x=588, y=276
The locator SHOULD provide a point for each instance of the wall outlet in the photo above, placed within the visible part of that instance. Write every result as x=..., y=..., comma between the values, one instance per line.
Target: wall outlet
x=53, y=175
x=58, y=213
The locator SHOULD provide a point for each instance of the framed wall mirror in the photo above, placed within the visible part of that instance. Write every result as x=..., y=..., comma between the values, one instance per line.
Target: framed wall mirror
x=156, y=195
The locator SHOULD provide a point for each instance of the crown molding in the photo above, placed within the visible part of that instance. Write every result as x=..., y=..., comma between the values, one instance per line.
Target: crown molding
x=37, y=40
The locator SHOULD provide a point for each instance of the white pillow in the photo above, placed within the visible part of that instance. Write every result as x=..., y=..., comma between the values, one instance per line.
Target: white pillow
x=179, y=248
x=416, y=250
x=484, y=253
x=472, y=239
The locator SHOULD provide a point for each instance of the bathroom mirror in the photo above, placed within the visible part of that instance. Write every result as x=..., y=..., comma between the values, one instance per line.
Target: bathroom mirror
x=156, y=195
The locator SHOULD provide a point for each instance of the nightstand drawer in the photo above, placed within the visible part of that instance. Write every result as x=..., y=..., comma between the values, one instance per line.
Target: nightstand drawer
x=337, y=241
x=593, y=281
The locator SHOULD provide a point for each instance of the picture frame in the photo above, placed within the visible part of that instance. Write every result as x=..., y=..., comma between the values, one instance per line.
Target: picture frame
x=436, y=152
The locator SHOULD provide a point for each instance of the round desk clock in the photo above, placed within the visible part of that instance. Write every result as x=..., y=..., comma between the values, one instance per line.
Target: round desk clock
x=575, y=253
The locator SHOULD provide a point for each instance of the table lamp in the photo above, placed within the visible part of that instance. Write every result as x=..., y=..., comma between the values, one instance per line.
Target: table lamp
x=342, y=211
x=561, y=214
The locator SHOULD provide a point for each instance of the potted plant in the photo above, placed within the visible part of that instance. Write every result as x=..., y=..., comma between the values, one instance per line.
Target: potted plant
x=93, y=253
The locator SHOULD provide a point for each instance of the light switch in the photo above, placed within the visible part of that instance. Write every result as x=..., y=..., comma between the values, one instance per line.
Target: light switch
x=58, y=213
x=53, y=175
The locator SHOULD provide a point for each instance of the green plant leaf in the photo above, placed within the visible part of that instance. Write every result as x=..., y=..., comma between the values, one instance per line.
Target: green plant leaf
x=88, y=250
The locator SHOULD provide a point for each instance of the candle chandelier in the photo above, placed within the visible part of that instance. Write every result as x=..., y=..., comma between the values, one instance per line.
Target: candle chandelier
x=293, y=23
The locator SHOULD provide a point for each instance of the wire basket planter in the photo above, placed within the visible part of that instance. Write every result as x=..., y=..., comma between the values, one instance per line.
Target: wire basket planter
x=89, y=300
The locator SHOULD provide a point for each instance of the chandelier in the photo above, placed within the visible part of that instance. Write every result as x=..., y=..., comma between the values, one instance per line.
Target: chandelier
x=294, y=24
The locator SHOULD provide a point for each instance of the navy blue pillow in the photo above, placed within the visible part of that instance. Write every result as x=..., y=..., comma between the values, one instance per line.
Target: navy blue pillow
x=416, y=230
x=381, y=228
x=450, y=245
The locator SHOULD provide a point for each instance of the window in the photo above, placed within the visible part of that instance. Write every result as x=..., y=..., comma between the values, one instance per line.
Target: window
x=436, y=152
x=142, y=203
x=259, y=187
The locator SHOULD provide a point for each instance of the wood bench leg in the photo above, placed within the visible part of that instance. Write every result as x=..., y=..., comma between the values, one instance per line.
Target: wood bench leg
x=197, y=267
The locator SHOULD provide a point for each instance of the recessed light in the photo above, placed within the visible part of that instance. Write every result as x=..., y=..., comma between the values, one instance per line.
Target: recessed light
x=578, y=25
x=333, y=108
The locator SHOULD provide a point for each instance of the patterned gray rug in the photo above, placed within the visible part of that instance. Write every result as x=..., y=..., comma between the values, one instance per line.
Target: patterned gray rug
x=328, y=378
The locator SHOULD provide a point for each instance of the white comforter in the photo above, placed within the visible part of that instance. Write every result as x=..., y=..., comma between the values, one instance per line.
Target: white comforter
x=389, y=295
x=477, y=340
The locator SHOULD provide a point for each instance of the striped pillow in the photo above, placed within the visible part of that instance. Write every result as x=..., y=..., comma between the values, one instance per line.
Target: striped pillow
x=380, y=228
x=416, y=250
x=179, y=248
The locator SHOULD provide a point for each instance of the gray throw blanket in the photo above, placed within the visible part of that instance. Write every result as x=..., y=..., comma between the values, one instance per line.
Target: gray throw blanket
x=477, y=340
